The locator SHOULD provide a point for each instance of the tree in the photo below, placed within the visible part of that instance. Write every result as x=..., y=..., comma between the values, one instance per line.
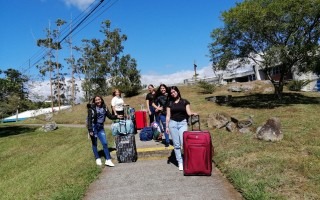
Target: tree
x=271, y=33
x=105, y=67
x=52, y=43
x=13, y=93
x=125, y=76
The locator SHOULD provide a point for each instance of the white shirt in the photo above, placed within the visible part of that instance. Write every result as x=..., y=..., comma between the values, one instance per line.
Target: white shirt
x=117, y=103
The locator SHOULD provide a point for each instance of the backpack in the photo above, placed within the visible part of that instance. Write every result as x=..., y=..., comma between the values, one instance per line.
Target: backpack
x=156, y=131
x=146, y=134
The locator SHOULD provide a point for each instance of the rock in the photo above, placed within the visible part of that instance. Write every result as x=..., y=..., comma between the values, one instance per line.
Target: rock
x=270, y=131
x=50, y=126
x=231, y=127
x=245, y=123
x=234, y=88
x=217, y=120
x=245, y=130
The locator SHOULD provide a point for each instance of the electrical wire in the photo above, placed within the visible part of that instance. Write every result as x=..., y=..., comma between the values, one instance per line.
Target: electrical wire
x=41, y=55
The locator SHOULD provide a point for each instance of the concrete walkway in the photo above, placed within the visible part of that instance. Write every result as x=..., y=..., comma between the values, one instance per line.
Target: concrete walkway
x=156, y=176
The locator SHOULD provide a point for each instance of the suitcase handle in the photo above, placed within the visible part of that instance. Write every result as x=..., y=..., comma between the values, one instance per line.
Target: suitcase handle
x=195, y=119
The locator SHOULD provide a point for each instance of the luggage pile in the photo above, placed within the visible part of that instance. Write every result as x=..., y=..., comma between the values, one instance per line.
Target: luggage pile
x=124, y=131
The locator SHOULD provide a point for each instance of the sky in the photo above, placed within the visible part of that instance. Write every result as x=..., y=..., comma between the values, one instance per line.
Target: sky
x=165, y=37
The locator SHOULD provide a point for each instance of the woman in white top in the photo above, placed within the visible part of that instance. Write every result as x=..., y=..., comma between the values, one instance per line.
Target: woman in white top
x=117, y=103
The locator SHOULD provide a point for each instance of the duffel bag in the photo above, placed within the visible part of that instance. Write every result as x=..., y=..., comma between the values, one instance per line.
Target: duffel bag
x=122, y=127
x=146, y=134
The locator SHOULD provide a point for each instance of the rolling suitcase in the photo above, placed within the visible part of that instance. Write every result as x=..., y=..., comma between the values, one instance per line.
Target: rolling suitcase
x=126, y=148
x=198, y=149
x=141, y=119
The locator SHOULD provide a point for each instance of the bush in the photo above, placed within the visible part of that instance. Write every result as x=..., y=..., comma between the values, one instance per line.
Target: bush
x=206, y=87
x=297, y=85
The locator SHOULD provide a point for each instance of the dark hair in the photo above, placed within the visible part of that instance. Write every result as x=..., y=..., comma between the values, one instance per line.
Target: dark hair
x=158, y=93
x=102, y=101
x=177, y=90
x=150, y=85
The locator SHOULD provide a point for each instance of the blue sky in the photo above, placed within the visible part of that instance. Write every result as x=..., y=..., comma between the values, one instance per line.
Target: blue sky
x=165, y=37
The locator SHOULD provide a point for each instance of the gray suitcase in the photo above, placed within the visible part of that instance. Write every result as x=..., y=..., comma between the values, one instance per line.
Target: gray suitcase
x=126, y=148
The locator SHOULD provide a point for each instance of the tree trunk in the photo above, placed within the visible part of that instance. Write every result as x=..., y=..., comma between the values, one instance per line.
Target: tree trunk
x=278, y=86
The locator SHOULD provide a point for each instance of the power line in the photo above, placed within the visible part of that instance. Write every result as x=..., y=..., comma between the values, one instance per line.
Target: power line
x=43, y=53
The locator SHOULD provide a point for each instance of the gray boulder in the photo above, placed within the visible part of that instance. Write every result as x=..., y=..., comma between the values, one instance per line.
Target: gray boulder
x=270, y=131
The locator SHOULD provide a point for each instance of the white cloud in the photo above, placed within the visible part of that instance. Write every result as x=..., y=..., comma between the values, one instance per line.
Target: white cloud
x=175, y=78
x=80, y=4
x=40, y=90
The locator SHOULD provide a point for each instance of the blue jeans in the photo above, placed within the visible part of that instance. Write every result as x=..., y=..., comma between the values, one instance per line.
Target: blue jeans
x=98, y=132
x=161, y=120
x=176, y=131
x=152, y=116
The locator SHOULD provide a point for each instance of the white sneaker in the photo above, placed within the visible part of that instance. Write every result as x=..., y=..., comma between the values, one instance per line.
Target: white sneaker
x=109, y=163
x=180, y=167
x=98, y=161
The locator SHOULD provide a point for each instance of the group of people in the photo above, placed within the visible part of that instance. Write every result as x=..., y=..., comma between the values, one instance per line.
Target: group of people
x=171, y=112
x=164, y=105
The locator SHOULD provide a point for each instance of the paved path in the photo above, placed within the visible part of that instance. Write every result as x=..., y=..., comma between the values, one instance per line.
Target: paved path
x=154, y=177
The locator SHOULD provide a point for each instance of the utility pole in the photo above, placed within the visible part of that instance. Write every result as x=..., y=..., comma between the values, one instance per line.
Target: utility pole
x=72, y=68
x=195, y=70
x=50, y=67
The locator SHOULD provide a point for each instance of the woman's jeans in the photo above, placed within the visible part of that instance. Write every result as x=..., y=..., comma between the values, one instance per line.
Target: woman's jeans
x=176, y=131
x=152, y=116
x=98, y=132
x=161, y=120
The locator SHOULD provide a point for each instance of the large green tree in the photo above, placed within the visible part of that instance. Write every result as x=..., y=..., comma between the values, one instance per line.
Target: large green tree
x=105, y=66
x=13, y=92
x=272, y=33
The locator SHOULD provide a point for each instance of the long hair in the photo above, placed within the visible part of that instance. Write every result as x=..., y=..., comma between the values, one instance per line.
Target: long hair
x=177, y=90
x=102, y=101
x=158, y=93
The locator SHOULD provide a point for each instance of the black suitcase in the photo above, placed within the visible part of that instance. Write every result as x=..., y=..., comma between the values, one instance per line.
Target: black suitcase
x=126, y=148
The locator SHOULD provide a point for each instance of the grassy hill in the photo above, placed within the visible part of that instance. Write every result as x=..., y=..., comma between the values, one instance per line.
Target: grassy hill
x=288, y=169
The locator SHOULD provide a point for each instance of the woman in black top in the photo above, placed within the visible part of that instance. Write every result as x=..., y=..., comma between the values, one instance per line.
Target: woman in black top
x=149, y=100
x=178, y=111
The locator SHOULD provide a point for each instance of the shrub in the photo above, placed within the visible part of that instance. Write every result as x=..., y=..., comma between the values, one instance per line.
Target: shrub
x=297, y=85
x=207, y=88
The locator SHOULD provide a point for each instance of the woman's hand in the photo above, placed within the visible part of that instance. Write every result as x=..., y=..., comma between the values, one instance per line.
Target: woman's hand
x=167, y=130
x=119, y=116
x=91, y=133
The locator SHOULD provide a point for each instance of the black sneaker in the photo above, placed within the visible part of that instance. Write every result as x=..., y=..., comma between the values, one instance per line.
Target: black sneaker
x=166, y=145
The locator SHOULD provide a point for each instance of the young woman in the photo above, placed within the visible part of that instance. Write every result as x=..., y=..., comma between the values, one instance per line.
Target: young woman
x=160, y=105
x=149, y=100
x=178, y=111
x=97, y=113
x=117, y=103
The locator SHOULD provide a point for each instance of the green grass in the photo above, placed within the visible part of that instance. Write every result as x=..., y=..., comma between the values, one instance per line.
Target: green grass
x=39, y=165
x=284, y=170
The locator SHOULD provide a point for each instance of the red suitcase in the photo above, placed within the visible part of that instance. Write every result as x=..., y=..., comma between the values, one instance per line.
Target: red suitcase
x=198, y=149
x=141, y=119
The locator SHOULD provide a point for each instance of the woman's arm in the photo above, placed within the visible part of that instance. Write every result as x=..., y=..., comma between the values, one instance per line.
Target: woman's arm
x=111, y=116
x=89, y=121
x=189, y=110
x=148, y=109
x=168, y=118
